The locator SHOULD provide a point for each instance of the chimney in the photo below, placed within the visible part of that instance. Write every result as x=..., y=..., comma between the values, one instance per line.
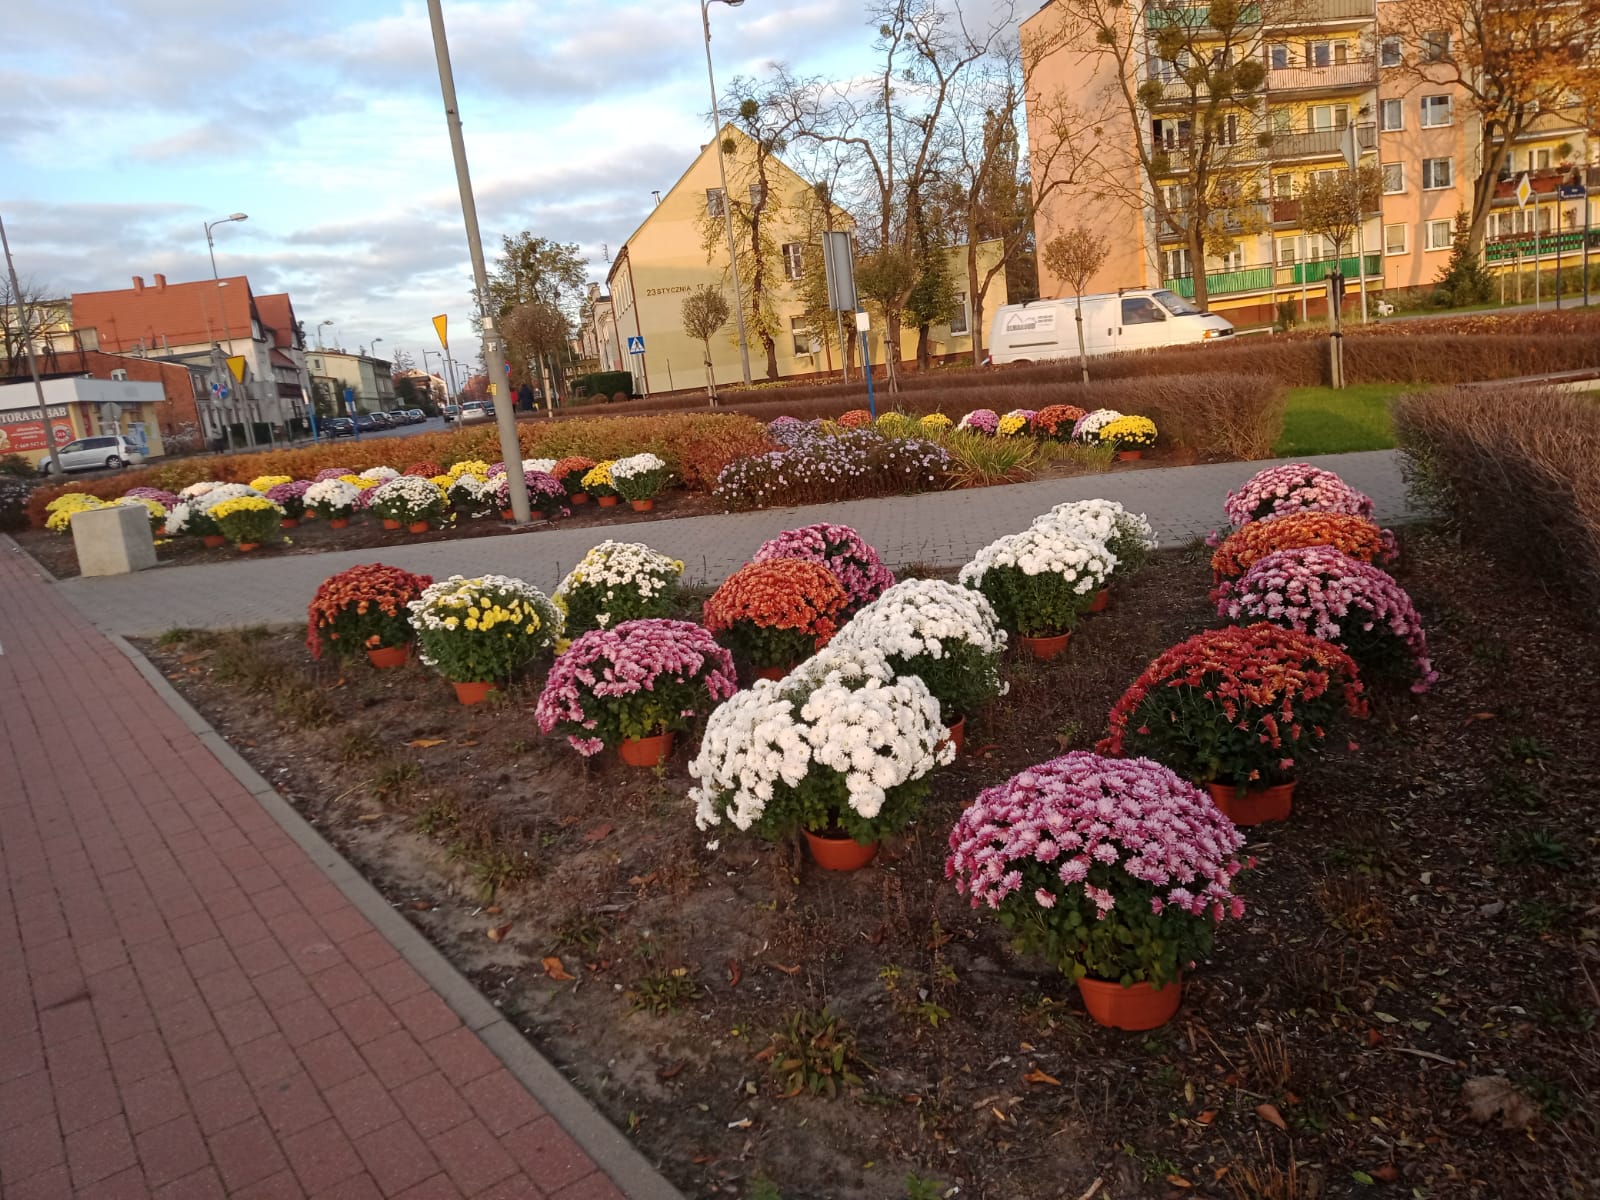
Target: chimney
x=138, y=284
x=161, y=283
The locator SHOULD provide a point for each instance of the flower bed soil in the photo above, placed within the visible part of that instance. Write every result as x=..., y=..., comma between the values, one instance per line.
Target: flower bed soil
x=1423, y=925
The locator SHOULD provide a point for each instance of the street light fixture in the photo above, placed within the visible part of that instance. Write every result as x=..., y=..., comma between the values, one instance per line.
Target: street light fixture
x=320, y=324
x=211, y=249
x=727, y=200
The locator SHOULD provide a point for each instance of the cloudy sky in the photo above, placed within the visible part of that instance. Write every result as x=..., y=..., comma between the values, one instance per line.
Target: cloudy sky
x=129, y=123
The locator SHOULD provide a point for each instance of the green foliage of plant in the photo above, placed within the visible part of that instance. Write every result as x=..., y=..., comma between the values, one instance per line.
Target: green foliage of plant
x=491, y=635
x=245, y=525
x=979, y=460
x=1042, y=605
x=663, y=991
x=820, y=803
x=814, y=1052
x=963, y=679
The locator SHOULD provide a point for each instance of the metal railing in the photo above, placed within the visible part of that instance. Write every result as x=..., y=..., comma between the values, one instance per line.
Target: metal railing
x=1266, y=279
x=1316, y=270
x=1223, y=283
x=1515, y=246
x=1314, y=12
x=1194, y=16
x=1356, y=73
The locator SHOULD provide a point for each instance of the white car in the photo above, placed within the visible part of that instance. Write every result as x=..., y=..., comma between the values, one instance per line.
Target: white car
x=474, y=411
x=107, y=453
x=1132, y=319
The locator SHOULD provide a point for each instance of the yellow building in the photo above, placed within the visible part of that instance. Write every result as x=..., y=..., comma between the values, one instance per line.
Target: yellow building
x=681, y=247
x=1332, y=88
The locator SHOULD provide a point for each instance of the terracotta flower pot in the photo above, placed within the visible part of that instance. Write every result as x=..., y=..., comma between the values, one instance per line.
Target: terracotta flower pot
x=418, y=527
x=506, y=514
x=339, y=523
x=474, y=693
x=642, y=505
x=1045, y=647
x=1102, y=600
x=387, y=657
x=246, y=547
x=580, y=497
x=1256, y=806
x=646, y=752
x=607, y=501
x=1129, y=455
x=957, y=732
x=840, y=853
x=390, y=523
x=212, y=540
x=289, y=523
x=1138, y=1006
x=771, y=672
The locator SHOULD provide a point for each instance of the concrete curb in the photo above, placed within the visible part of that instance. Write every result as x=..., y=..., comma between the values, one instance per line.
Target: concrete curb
x=599, y=1139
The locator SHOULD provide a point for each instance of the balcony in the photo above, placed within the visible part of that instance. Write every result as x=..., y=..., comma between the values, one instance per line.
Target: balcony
x=1194, y=16
x=1267, y=279
x=1310, y=14
x=1223, y=283
x=1287, y=213
x=1320, y=143
x=1301, y=79
x=1520, y=246
x=1315, y=271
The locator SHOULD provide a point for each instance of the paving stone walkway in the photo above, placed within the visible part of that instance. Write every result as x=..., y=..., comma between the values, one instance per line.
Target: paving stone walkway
x=189, y=1006
x=941, y=529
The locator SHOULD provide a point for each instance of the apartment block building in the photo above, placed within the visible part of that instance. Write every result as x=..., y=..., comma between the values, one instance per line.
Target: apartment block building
x=1335, y=91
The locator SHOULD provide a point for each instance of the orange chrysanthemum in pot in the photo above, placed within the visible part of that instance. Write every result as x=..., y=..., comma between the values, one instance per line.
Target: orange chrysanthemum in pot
x=773, y=614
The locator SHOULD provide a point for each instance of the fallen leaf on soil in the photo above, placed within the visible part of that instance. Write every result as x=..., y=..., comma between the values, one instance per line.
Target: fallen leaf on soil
x=794, y=970
x=554, y=969
x=700, y=1160
x=1482, y=716
x=1179, y=1181
x=1270, y=1114
x=1489, y=1096
x=942, y=938
x=1374, y=1038
x=421, y=905
x=498, y=932
x=640, y=881
x=598, y=833
x=425, y=743
x=998, y=1114
x=1038, y=1076
x=1206, y=1117
x=742, y=1123
x=735, y=972
x=1388, y=1172
x=493, y=909
x=671, y=1072
x=466, y=743
x=370, y=817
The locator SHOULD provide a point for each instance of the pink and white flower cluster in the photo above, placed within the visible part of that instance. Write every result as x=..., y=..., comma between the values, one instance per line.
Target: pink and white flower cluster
x=1332, y=596
x=1296, y=487
x=1079, y=812
x=839, y=548
x=1087, y=427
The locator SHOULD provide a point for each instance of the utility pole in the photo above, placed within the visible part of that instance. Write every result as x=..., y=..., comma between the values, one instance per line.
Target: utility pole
x=493, y=349
x=27, y=345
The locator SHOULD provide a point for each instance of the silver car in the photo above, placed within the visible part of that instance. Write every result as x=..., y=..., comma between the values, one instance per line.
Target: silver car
x=107, y=453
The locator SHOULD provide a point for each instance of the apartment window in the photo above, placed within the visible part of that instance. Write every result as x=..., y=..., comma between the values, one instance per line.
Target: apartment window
x=1394, y=239
x=1319, y=54
x=120, y=375
x=1279, y=56
x=1389, y=52
x=1283, y=187
x=1435, y=111
x=1233, y=260
x=1541, y=159
x=1176, y=264
x=1394, y=178
x=1436, y=174
x=1288, y=251
x=793, y=260
x=1228, y=130
x=1436, y=45
x=801, y=335
x=1391, y=115
x=1440, y=235
x=958, y=322
x=758, y=195
x=1328, y=116
x=714, y=202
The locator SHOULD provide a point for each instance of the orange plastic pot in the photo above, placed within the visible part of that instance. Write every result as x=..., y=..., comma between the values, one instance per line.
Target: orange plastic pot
x=840, y=853
x=474, y=693
x=289, y=523
x=771, y=672
x=246, y=547
x=1255, y=806
x=1129, y=455
x=1045, y=647
x=418, y=527
x=642, y=505
x=580, y=497
x=607, y=501
x=339, y=523
x=646, y=752
x=390, y=523
x=388, y=657
x=956, y=732
x=506, y=514
x=212, y=540
x=1137, y=1006
x=1101, y=601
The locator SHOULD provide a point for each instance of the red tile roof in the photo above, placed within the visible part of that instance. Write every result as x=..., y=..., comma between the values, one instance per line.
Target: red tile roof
x=277, y=313
x=185, y=314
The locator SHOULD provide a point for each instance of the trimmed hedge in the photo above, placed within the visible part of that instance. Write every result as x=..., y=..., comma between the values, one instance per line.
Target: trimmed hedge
x=599, y=386
x=1517, y=472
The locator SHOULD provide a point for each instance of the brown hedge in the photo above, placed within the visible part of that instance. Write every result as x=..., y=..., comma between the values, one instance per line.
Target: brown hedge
x=1517, y=471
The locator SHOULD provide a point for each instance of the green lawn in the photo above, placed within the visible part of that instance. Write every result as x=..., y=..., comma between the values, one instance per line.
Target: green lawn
x=1320, y=420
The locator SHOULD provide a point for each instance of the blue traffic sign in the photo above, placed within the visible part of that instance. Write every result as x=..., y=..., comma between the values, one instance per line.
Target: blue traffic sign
x=636, y=345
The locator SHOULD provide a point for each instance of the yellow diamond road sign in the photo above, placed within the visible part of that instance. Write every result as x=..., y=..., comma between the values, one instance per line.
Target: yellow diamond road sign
x=236, y=365
x=1524, y=191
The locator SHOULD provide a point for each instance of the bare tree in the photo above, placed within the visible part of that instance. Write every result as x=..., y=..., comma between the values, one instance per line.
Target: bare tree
x=403, y=361
x=31, y=305
x=705, y=311
x=1075, y=256
x=1333, y=203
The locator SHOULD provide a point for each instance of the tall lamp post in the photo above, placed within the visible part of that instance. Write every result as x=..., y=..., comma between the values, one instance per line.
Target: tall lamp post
x=727, y=200
x=222, y=303
x=374, y=350
x=27, y=346
x=320, y=324
x=493, y=348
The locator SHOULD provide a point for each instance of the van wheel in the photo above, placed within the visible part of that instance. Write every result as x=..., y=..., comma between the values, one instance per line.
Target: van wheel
x=113, y=463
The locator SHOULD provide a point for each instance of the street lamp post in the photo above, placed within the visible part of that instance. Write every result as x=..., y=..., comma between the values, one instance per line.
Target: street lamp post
x=727, y=200
x=374, y=350
x=493, y=348
x=222, y=303
x=27, y=346
x=320, y=324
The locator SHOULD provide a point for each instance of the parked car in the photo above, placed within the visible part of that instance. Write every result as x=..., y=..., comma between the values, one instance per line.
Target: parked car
x=384, y=420
x=1133, y=319
x=474, y=411
x=95, y=454
x=369, y=423
x=450, y=412
x=418, y=417
x=338, y=427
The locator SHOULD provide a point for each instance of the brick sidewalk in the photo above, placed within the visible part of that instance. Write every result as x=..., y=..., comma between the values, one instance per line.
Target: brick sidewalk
x=188, y=1006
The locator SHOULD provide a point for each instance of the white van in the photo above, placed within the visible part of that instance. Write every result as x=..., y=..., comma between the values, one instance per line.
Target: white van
x=1133, y=319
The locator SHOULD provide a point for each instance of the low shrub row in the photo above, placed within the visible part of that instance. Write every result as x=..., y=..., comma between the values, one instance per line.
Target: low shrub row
x=1517, y=470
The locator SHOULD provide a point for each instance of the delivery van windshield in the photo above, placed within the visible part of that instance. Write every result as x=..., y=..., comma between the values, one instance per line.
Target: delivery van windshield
x=1176, y=304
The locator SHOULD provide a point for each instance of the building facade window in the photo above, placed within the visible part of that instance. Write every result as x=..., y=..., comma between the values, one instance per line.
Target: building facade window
x=1391, y=115
x=1279, y=56
x=1437, y=174
x=714, y=202
x=1435, y=111
x=794, y=260
x=1394, y=178
x=958, y=320
x=801, y=335
x=1389, y=52
x=1539, y=160
x=1176, y=264
x=1439, y=235
x=1394, y=239
x=1283, y=187
x=1436, y=45
x=1323, y=117
x=758, y=195
x=1288, y=251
